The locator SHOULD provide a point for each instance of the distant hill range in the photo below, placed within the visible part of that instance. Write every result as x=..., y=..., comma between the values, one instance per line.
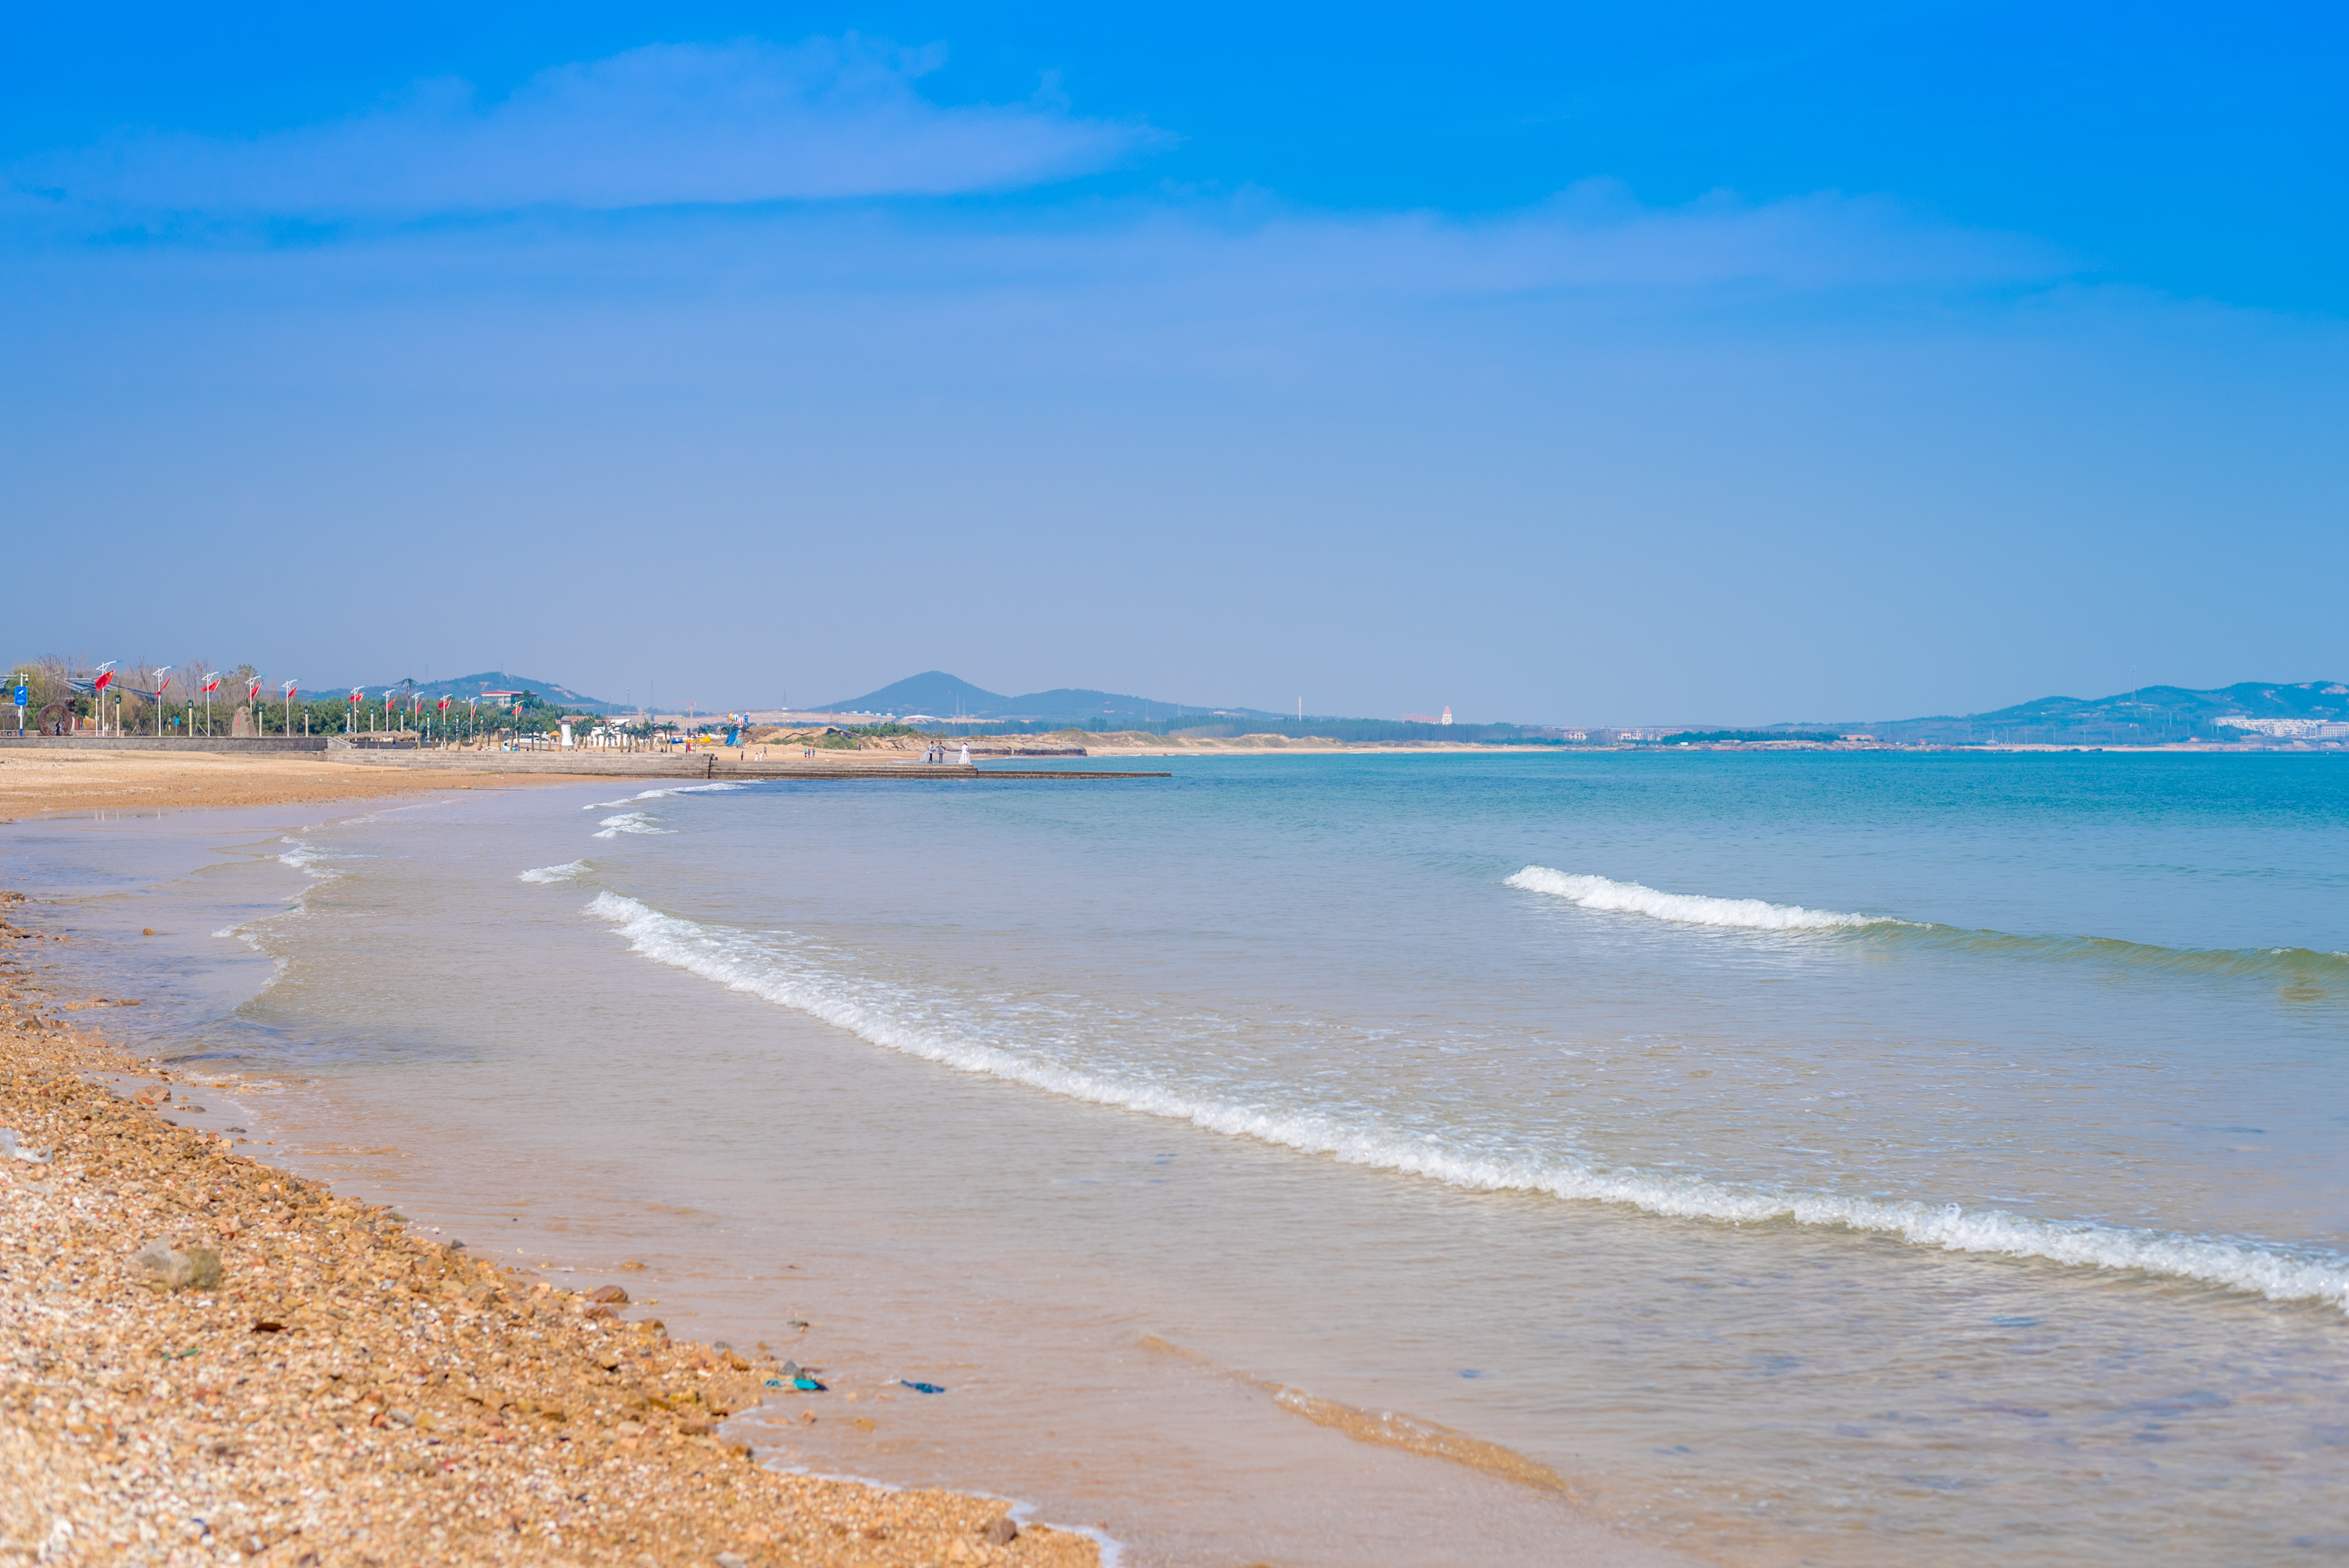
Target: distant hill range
x=2150, y=713
x=463, y=686
x=2147, y=714
x=935, y=694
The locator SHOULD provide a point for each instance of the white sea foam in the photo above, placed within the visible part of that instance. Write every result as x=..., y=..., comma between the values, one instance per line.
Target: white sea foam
x=553, y=874
x=886, y=1015
x=1691, y=909
x=305, y=858
x=628, y=822
x=711, y=789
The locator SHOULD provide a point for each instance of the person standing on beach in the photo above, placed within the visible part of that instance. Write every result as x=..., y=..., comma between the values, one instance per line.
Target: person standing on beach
x=965, y=754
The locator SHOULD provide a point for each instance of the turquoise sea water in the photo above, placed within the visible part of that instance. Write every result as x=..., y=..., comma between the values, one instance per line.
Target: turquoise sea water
x=1839, y=1158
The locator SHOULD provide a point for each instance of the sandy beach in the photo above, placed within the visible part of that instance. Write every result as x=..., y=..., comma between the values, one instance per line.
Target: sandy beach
x=36, y=782
x=291, y=1376
x=209, y=1359
x=353, y=1386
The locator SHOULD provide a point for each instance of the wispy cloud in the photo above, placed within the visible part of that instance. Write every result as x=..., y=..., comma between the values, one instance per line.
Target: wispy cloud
x=1594, y=237
x=664, y=125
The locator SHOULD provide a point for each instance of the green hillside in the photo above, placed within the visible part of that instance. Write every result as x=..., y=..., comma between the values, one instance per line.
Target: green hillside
x=2150, y=713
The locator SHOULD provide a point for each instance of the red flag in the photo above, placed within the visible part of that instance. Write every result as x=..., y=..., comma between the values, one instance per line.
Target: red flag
x=253, y=690
x=105, y=679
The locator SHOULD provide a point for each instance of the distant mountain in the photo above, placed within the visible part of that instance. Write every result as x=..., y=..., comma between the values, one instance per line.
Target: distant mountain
x=464, y=687
x=2149, y=713
x=942, y=696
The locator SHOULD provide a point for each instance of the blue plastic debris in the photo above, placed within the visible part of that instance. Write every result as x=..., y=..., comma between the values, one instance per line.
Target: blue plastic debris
x=807, y=1385
x=921, y=1387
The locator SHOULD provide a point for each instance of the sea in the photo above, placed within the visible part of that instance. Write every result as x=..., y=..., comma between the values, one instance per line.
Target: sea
x=1846, y=1160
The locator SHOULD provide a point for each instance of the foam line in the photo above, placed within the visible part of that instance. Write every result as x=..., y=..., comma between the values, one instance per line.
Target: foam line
x=1691, y=909
x=302, y=857
x=2295, y=964
x=553, y=873
x=627, y=822
x=719, y=786
x=865, y=1007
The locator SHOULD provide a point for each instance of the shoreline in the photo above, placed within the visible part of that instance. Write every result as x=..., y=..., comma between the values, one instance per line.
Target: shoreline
x=34, y=786
x=774, y=1424
x=347, y=1390
x=305, y=1381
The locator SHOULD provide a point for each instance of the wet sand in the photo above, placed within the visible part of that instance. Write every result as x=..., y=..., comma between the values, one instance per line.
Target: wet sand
x=287, y=1377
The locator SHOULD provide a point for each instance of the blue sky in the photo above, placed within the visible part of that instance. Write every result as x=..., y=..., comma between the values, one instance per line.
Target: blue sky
x=1569, y=364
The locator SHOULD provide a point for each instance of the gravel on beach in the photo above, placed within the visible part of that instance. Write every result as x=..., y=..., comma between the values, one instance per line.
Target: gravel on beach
x=204, y=1359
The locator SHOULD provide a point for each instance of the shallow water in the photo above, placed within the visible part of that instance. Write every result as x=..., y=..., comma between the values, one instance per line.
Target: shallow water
x=1813, y=1158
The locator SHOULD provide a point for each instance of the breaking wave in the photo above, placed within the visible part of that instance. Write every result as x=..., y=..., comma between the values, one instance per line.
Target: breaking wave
x=553, y=874
x=302, y=857
x=722, y=785
x=1693, y=909
x=627, y=822
x=887, y=1015
x=2300, y=965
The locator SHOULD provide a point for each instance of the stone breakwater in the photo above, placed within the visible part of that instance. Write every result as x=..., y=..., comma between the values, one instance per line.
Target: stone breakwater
x=204, y=1359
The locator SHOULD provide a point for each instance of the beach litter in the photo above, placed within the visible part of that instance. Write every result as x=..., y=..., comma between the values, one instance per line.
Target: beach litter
x=166, y=1268
x=8, y=1146
x=920, y=1387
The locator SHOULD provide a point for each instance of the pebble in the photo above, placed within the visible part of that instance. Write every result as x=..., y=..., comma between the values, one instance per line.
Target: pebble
x=282, y=1379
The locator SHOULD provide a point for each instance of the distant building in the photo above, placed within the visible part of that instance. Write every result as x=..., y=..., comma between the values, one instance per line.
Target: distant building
x=1447, y=715
x=2287, y=729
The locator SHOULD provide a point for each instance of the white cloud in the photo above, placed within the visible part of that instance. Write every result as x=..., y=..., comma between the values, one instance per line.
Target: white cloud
x=664, y=125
